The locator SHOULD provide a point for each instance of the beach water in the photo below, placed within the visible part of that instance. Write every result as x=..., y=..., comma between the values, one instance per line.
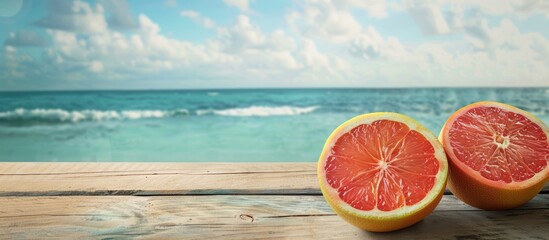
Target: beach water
x=275, y=125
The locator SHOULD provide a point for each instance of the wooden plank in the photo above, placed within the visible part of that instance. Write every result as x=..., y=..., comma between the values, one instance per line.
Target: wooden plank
x=57, y=179
x=28, y=179
x=247, y=217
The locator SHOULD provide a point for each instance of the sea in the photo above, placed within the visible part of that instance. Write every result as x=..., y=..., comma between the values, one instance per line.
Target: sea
x=238, y=125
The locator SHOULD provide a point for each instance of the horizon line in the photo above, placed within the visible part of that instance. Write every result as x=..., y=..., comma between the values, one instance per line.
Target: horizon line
x=271, y=88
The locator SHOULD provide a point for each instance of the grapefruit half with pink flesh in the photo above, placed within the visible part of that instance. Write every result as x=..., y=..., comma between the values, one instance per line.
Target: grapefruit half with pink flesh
x=498, y=155
x=382, y=171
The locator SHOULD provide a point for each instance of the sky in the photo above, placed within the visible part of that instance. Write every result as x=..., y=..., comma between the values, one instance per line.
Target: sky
x=171, y=44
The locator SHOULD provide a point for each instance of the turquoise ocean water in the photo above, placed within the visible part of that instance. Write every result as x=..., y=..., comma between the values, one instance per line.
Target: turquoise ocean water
x=278, y=125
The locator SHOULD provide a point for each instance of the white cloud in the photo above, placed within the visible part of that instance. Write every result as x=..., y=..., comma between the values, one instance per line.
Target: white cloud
x=145, y=51
x=374, y=8
x=430, y=19
x=311, y=55
x=96, y=66
x=120, y=14
x=500, y=55
x=508, y=38
x=371, y=45
x=17, y=68
x=79, y=16
x=243, y=5
x=328, y=46
x=504, y=56
x=324, y=20
x=280, y=41
x=76, y=16
x=242, y=48
x=443, y=17
x=509, y=7
x=67, y=45
x=241, y=51
x=257, y=50
x=9, y=50
x=469, y=18
x=477, y=33
x=242, y=35
x=199, y=19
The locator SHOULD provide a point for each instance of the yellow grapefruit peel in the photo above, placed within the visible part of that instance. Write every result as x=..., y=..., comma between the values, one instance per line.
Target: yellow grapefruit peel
x=376, y=220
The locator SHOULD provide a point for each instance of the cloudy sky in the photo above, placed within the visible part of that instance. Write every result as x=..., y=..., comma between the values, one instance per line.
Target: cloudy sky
x=108, y=44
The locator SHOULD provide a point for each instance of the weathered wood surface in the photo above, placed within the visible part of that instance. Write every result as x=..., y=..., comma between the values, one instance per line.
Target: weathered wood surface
x=40, y=179
x=157, y=178
x=247, y=217
x=216, y=200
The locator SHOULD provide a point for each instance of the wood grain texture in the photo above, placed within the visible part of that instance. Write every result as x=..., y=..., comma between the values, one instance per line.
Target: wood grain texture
x=38, y=179
x=60, y=179
x=248, y=217
x=216, y=200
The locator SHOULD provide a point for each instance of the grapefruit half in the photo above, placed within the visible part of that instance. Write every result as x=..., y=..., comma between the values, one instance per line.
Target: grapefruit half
x=382, y=171
x=498, y=155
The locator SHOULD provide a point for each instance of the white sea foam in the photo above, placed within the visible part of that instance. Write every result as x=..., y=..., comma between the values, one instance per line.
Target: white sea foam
x=60, y=115
x=201, y=112
x=262, y=111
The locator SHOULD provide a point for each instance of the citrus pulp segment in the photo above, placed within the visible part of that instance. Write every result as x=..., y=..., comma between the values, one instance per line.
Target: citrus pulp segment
x=498, y=155
x=382, y=171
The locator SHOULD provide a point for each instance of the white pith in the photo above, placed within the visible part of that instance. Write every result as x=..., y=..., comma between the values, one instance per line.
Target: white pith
x=402, y=211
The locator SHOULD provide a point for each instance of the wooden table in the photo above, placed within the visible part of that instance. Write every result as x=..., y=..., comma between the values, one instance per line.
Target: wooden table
x=223, y=200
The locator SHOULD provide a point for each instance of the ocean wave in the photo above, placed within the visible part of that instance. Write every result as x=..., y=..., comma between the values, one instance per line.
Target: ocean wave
x=60, y=115
x=258, y=111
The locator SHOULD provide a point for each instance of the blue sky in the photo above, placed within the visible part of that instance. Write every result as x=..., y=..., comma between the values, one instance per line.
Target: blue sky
x=109, y=44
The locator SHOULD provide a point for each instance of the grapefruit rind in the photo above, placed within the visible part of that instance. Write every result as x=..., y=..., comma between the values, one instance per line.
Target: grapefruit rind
x=474, y=189
x=540, y=176
x=377, y=220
